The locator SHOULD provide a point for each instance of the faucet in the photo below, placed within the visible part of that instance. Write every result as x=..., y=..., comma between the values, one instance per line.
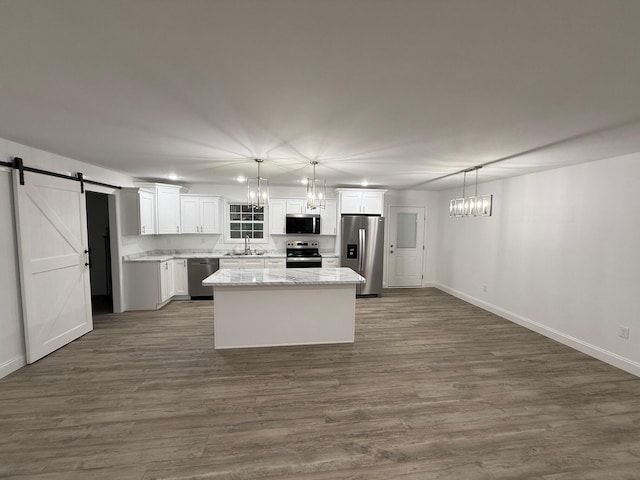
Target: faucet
x=247, y=250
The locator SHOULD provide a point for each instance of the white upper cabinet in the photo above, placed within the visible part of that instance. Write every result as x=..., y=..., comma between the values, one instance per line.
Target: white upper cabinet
x=373, y=202
x=190, y=214
x=211, y=214
x=147, y=212
x=151, y=209
x=350, y=202
x=329, y=218
x=296, y=205
x=138, y=207
x=277, y=213
x=168, y=203
x=361, y=201
x=201, y=214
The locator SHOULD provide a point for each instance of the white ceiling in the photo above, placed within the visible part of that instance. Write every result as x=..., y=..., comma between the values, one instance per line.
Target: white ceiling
x=397, y=92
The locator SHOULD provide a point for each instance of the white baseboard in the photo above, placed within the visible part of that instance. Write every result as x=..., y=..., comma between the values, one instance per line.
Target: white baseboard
x=575, y=343
x=12, y=365
x=424, y=285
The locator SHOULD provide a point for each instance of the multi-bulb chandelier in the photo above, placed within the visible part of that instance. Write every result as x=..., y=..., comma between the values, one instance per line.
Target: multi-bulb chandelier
x=472, y=206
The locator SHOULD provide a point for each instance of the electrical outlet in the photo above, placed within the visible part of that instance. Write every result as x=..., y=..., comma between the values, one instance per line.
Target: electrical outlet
x=485, y=288
x=623, y=332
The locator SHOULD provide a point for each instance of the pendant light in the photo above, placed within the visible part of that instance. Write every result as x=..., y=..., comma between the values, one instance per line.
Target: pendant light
x=316, y=190
x=258, y=189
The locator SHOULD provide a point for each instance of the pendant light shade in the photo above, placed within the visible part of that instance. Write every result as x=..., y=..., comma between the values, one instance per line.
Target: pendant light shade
x=316, y=190
x=258, y=189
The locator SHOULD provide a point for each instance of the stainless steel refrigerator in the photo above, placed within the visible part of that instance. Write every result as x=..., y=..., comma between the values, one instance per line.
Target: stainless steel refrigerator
x=362, y=240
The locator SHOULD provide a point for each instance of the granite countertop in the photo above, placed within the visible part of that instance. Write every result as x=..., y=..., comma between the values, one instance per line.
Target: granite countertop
x=164, y=256
x=288, y=276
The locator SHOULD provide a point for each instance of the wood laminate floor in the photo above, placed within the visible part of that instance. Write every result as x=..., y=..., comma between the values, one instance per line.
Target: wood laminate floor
x=433, y=388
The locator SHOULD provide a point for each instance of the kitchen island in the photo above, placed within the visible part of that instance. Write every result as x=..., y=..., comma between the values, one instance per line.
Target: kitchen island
x=275, y=307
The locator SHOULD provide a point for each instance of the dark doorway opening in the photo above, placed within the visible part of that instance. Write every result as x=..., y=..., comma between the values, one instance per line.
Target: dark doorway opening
x=99, y=252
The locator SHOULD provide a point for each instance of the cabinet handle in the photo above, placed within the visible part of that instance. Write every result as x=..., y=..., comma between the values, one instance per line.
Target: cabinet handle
x=178, y=228
x=142, y=228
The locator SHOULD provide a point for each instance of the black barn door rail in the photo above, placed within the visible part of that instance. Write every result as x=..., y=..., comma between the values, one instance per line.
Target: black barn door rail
x=18, y=164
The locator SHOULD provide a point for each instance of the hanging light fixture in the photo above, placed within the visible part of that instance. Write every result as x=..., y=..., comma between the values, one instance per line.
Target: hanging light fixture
x=316, y=190
x=457, y=205
x=258, y=189
x=472, y=206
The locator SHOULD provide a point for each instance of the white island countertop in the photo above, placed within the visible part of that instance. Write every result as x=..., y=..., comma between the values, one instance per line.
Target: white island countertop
x=287, y=276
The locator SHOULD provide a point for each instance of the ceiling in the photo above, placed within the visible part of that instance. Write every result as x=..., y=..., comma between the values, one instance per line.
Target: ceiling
x=394, y=92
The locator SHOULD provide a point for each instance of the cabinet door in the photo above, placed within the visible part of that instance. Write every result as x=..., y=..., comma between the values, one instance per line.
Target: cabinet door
x=275, y=263
x=230, y=263
x=190, y=214
x=168, y=201
x=147, y=213
x=329, y=218
x=252, y=262
x=171, y=284
x=180, y=277
x=277, y=212
x=163, y=281
x=350, y=202
x=372, y=202
x=166, y=280
x=210, y=215
x=296, y=205
x=330, y=262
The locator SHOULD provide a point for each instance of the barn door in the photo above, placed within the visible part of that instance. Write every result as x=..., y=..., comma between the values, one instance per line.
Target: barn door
x=51, y=226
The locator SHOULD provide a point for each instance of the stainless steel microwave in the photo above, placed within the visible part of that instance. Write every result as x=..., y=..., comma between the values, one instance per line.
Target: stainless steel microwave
x=301, y=223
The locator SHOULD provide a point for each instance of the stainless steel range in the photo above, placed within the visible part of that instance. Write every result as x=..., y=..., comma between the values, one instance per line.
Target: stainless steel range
x=303, y=254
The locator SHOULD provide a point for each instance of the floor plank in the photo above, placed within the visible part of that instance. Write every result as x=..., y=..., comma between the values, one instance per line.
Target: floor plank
x=433, y=388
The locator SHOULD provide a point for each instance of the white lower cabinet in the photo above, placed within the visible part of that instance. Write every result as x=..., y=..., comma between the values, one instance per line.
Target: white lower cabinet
x=230, y=263
x=332, y=262
x=180, y=279
x=253, y=262
x=167, y=282
x=275, y=263
x=148, y=285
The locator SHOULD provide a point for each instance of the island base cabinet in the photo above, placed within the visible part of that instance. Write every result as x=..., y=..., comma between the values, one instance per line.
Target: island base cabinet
x=323, y=314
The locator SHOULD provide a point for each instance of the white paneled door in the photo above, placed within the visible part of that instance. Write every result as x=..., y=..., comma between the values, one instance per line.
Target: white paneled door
x=51, y=223
x=406, y=246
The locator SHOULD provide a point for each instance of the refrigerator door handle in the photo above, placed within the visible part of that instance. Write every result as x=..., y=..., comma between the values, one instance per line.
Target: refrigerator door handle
x=362, y=241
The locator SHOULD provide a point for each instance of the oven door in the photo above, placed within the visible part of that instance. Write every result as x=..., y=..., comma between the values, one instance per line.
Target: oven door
x=304, y=262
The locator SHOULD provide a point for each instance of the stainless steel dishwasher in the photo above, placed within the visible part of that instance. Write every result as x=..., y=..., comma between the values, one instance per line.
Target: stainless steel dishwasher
x=199, y=269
